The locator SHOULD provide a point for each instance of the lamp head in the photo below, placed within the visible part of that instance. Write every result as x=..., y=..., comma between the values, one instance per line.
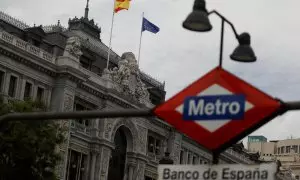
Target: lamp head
x=243, y=52
x=198, y=20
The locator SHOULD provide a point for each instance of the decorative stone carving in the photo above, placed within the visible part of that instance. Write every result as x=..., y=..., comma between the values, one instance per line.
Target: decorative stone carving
x=176, y=153
x=64, y=125
x=68, y=102
x=142, y=139
x=105, y=162
x=73, y=47
x=127, y=77
x=151, y=174
x=107, y=130
x=174, y=146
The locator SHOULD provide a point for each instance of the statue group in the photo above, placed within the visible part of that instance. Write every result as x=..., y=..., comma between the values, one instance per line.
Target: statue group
x=127, y=77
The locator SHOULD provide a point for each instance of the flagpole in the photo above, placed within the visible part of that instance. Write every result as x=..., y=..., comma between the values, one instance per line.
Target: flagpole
x=140, y=40
x=111, y=30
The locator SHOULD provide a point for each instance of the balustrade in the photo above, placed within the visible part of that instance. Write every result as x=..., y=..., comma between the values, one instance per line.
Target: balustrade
x=80, y=128
x=19, y=43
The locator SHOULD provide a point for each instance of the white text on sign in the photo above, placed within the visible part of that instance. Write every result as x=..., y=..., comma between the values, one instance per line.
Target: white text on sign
x=216, y=172
x=214, y=107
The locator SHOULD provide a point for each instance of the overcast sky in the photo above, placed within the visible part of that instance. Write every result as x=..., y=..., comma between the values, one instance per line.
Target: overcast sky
x=179, y=56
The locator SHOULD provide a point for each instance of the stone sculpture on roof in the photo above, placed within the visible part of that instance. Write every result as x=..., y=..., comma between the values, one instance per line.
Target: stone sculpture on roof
x=73, y=47
x=127, y=76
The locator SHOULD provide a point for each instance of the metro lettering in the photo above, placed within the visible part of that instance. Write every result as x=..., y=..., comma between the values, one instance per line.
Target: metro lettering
x=200, y=107
x=214, y=107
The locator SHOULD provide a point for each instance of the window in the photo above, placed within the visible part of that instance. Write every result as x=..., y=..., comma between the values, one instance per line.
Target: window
x=282, y=149
x=12, y=86
x=85, y=65
x=295, y=148
x=278, y=150
x=83, y=123
x=36, y=43
x=154, y=145
x=181, y=157
x=157, y=146
x=201, y=162
x=151, y=144
x=40, y=94
x=288, y=149
x=76, y=165
x=27, y=90
x=1, y=80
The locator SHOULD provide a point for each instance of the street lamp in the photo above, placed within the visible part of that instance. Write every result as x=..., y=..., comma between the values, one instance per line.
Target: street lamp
x=198, y=21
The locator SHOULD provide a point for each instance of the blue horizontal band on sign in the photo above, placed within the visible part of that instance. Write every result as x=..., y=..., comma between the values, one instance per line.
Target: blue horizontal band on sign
x=214, y=107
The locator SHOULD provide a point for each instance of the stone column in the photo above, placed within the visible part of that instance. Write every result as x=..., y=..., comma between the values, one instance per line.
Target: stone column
x=93, y=165
x=95, y=127
x=87, y=167
x=63, y=100
x=184, y=156
x=6, y=82
x=142, y=139
x=22, y=87
x=190, y=160
x=139, y=170
x=130, y=174
x=174, y=146
x=170, y=142
x=103, y=162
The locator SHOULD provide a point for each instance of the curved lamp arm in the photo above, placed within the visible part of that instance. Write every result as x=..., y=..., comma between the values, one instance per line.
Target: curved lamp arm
x=224, y=19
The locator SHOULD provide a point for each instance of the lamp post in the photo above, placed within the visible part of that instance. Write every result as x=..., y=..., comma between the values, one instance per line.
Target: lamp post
x=198, y=21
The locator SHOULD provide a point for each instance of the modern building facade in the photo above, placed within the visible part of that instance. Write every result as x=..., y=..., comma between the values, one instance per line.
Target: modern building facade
x=286, y=151
x=66, y=69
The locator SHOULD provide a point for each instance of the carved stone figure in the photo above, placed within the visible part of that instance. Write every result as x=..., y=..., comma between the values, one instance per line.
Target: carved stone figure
x=73, y=47
x=127, y=76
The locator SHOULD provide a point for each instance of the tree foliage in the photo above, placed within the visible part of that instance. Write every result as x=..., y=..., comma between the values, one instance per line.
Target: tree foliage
x=28, y=148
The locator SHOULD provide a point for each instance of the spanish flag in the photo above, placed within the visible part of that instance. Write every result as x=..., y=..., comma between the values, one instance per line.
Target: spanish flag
x=121, y=4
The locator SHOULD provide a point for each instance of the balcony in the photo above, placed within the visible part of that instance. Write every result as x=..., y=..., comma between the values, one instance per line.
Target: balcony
x=80, y=128
x=229, y=152
x=153, y=157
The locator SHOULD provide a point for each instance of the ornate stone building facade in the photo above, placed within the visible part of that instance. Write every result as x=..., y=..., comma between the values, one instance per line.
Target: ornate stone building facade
x=66, y=68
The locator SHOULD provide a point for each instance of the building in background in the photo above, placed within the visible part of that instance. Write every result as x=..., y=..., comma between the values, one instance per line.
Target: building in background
x=66, y=69
x=286, y=151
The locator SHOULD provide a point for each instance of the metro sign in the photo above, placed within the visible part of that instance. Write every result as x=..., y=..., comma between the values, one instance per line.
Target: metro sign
x=218, y=109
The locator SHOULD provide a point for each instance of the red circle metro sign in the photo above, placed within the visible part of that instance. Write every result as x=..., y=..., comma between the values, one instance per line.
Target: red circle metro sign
x=218, y=109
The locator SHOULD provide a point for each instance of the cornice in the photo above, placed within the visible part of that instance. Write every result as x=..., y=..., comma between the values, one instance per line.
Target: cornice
x=71, y=73
x=139, y=156
x=96, y=141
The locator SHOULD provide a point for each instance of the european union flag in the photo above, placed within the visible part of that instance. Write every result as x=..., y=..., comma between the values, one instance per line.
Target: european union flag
x=148, y=26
